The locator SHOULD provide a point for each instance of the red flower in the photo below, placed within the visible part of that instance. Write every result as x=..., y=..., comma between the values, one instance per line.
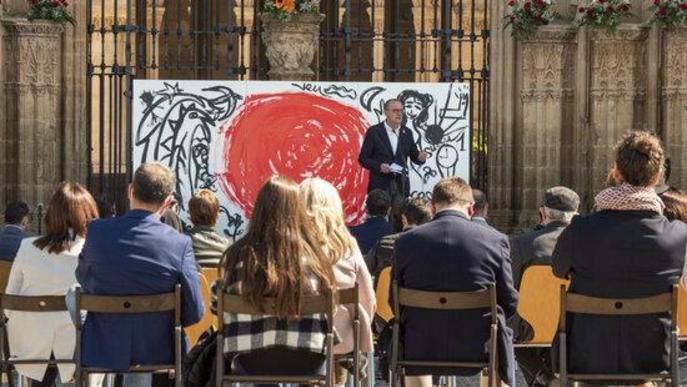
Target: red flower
x=581, y=9
x=602, y=1
x=609, y=10
x=657, y=2
x=662, y=11
x=537, y=18
x=513, y=18
x=541, y=3
x=511, y=3
x=55, y=3
x=683, y=6
x=624, y=8
x=527, y=6
x=591, y=12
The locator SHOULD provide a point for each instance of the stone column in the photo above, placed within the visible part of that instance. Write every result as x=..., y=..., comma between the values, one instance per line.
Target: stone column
x=378, y=45
x=617, y=97
x=674, y=103
x=34, y=106
x=543, y=128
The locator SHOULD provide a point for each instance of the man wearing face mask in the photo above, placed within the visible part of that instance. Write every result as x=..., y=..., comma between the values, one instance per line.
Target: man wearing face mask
x=385, y=152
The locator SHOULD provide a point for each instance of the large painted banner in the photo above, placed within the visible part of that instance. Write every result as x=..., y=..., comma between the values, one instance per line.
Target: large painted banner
x=231, y=136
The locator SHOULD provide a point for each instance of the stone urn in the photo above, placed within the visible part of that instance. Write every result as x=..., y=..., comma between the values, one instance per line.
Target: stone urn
x=291, y=45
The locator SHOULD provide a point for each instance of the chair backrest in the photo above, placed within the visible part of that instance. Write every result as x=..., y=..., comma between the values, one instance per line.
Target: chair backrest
x=154, y=303
x=33, y=303
x=682, y=311
x=540, y=302
x=577, y=303
x=211, y=274
x=477, y=299
x=209, y=320
x=5, y=268
x=382, y=294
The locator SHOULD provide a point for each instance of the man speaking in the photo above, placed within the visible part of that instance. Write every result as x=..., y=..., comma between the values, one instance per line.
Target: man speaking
x=385, y=152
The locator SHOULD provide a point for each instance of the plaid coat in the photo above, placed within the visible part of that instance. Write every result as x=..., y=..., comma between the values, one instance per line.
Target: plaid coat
x=246, y=333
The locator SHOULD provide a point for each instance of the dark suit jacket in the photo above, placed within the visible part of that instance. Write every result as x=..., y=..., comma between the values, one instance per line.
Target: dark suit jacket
x=10, y=239
x=620, y=254
x=450, y=253
x=135, y=254
x=376, y=150
x=370, y=232
x=534, y=247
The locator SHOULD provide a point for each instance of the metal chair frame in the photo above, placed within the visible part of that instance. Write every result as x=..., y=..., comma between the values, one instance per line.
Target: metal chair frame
x=350, y=297
x=166, y=302
x=27, y=304
x=484, y=298
x=230, y=303
x=577, y=303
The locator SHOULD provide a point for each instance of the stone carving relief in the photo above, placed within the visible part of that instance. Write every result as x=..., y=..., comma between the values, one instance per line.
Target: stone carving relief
x=291, y=47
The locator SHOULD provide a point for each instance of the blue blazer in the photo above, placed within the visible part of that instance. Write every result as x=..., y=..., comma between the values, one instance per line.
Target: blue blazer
x=370, y=232
x=10, y=239
x=451, y=253
x=376, y=149
x=135, y=254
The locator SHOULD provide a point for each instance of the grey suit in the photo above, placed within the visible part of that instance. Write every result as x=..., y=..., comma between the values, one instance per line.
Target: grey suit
x=534, y=248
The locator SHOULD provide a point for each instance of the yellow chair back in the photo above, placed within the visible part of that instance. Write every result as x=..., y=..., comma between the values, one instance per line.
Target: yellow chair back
x=382, y=294
x=540, y=302
x=194, y=331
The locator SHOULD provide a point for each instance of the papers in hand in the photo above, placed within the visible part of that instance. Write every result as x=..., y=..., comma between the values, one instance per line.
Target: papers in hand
x=395, y=168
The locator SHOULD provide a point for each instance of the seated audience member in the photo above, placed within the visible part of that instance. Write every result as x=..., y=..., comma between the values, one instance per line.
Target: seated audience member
x=535, y=248
x=279, y=257
x=135, y=254
x=480, y=207
x=625, y=249
x=45, y=267
x=451, y=253
x=16, y=221
x=325, y=208
x=208, y=245
x=414, y=212
x=675, y=201
x=375, y=226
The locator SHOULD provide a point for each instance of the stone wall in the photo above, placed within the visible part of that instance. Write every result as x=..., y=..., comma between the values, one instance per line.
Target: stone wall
x=43, y=135
x=561, y=100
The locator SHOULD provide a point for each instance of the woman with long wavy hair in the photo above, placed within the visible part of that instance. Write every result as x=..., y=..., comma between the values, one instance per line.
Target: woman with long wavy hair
x=45, y=266
x=326, y=210
x=280, y=258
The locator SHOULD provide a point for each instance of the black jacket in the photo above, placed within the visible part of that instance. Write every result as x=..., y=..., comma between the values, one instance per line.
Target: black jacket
x=376, y=150
x=534, y=248
x=451, y=253
x=620, y=254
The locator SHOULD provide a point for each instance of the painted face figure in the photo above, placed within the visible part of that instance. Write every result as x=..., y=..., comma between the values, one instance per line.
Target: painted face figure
x=412, y=107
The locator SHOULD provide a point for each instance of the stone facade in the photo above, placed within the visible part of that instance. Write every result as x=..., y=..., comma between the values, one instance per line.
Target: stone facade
x=43, y=110
x=561, y=100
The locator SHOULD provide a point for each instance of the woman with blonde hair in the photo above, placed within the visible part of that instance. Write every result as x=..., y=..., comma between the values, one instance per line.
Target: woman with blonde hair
x=45, y=266
x=280, y=258
x=326, y=210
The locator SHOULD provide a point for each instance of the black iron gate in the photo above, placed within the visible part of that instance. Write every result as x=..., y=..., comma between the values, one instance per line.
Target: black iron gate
x=360, y=40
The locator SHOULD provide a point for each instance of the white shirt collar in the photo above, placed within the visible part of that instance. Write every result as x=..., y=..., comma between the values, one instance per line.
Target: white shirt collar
x=390, y=130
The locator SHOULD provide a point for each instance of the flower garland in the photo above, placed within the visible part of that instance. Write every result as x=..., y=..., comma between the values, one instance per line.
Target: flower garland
x=526, y=16
x=287, y=9
x=54, y=10
x=605, y=14
x=669, y=13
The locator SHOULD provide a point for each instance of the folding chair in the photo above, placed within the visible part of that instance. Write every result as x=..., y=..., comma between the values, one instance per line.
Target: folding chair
x=350, y=297
x=479, y=299
x=682, y=313
x=5, y=268
x=577, y=303
x=167, y=302
x=229, y=303
x=540, y=303
x=209, y=321
x=27, y=304
x=384, y=311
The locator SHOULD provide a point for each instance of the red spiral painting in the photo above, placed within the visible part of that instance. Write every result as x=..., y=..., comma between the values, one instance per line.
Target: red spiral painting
x=297, y=135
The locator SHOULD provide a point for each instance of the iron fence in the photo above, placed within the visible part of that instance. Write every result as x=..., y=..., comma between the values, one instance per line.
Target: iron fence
x=360, y=40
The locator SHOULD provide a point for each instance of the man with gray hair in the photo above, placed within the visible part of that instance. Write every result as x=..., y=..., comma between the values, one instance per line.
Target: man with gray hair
x=536, y=248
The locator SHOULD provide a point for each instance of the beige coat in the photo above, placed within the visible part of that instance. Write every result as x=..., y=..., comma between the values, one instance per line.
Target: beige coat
x=35, y=335
x=350, y=271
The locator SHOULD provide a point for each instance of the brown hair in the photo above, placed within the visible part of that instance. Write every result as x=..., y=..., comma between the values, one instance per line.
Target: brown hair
x=639, y=158
x=675, y=201
x=71, y=206
x=279, y=253
x=452, y=190
x=203, y=208
x=153, y=183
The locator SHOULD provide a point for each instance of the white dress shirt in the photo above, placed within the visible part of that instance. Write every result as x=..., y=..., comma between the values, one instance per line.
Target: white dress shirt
x=393, y=136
